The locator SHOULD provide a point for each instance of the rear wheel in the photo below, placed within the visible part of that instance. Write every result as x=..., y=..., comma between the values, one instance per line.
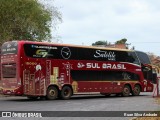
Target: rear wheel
x=52, y=93
x=136, y=91
x=66, y=92
x=126, y=91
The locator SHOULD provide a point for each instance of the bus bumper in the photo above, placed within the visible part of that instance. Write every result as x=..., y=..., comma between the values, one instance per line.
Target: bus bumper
x=12, y=92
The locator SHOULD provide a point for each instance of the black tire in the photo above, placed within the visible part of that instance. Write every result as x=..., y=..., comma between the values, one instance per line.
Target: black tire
x=126, y=91
x=136, y=91
x=66, y=93
x=52, y=93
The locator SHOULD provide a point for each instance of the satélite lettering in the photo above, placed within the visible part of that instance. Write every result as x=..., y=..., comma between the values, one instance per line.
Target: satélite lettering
x=105, y=54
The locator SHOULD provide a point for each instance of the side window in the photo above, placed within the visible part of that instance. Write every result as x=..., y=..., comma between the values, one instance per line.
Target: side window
x=90, y=75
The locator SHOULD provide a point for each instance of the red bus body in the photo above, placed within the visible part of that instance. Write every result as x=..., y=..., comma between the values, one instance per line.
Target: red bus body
x=31, y=68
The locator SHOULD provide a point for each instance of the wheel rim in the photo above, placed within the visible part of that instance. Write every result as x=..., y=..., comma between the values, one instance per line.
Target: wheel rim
x=126, y=91
x=52, y=93
x=136, y=90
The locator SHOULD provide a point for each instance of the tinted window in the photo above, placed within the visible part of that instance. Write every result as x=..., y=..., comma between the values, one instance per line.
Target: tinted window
x=88, y=75
x=9, y=48
x=143, y=57
x=78, y=53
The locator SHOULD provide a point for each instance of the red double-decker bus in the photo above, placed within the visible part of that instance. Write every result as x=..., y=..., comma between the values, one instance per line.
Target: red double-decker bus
x=37, y=69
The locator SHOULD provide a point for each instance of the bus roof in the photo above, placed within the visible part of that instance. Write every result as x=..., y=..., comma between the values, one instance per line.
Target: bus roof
x=71, y=45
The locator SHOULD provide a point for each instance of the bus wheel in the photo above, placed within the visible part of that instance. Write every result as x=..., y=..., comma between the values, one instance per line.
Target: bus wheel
x=126, y=91
x=52, y=93
x=136, y=90
x=66, y=92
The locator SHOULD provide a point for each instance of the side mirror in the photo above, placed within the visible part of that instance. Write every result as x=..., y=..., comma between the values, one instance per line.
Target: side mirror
x=154, y=78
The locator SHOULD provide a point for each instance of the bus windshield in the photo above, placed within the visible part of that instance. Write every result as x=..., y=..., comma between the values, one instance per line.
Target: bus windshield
x=143, y=57
x=9, y=48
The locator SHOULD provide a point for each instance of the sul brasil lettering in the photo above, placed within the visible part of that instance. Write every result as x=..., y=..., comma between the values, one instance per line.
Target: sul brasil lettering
x=105, y=54
x=105, y=66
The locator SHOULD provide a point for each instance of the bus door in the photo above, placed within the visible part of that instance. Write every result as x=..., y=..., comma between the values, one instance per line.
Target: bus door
x=148, y=75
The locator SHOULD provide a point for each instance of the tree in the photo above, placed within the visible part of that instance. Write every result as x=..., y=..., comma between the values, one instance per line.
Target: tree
x=101, y=42
x=26, y=19
x=122, y=41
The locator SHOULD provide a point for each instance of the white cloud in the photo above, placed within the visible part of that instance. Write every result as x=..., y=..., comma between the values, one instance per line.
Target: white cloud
x=87, y=21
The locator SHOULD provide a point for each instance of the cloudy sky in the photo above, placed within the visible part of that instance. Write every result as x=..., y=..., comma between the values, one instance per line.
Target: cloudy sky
x=88, y=21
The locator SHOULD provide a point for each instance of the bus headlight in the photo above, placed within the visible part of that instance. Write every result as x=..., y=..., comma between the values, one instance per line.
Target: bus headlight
x=145, y=82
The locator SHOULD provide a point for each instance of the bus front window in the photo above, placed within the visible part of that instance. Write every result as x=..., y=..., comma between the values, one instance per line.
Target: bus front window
x=143, y=57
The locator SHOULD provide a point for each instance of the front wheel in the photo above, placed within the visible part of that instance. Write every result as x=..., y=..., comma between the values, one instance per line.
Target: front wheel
x=52, y=93
x=66, y=92
x=136, y=91
x=126, y=91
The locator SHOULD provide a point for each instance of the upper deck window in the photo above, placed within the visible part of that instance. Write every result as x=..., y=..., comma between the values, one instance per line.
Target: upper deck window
x=79, y=53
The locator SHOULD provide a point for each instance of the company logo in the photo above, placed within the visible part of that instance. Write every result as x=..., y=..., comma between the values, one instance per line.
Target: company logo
x=41, y=52
x=105, y=54
x=21, y=114
x=113, y=66
x=67, y=65
x=80, y=65
x=126, y=76
x=65, y=52
x=38, y=67
x=105, y=66
x=44, y=47
x=8, y=45
x=6, y=114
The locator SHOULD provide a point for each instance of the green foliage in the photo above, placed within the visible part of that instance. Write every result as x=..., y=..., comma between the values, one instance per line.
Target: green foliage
x=122, y=41
x=25, y=19
x=100, y=43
